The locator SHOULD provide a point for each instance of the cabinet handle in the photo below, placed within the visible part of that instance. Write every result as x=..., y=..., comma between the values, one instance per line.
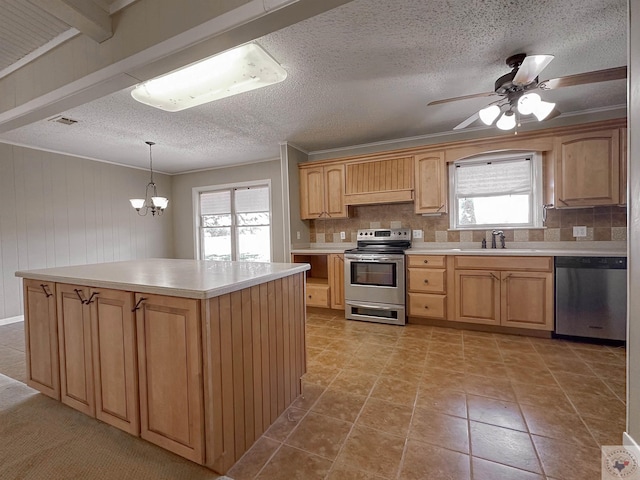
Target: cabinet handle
x=79, y=293
x=44, y=289
x=440, y=207
x=425, y=261
x=561, y=200
x=426, y=281
x=495, y=278
x=427, y=307
x=137, y=307
x=506, y=277
x=90, y=299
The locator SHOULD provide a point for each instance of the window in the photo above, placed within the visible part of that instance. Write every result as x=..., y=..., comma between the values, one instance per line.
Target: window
x=235, y=223
x=496, y=191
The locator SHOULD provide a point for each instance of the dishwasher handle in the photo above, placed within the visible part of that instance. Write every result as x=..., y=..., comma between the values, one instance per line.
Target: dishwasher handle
x=609, y=263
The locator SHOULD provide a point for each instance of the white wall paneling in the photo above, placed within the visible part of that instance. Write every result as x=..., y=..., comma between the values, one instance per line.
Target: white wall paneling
x=58, y=210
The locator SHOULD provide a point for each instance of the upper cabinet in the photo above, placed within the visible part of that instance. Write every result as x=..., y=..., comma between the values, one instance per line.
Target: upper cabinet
x=322, y=192
x=587, y=169
x=379, y=181
x=431, y=183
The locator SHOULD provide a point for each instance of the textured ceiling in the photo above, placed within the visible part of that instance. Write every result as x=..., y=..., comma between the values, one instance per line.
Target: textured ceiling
x=360, y=73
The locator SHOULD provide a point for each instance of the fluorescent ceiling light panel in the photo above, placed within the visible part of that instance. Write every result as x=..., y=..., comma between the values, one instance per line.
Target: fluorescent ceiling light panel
x=238, y=70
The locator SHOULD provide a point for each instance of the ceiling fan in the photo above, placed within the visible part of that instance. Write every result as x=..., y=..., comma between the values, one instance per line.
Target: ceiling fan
x=516, y=91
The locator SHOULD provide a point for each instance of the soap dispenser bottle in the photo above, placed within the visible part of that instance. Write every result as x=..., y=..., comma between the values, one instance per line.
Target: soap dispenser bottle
x=484, y=243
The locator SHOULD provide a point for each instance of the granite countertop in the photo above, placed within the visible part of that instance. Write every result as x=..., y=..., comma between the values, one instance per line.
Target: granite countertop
x=553, y=249
x=179, y=278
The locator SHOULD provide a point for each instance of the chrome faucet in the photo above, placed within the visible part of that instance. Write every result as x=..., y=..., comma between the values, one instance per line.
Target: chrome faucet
x=494, y=234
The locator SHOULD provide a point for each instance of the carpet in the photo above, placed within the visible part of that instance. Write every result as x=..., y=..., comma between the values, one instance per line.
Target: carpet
x=42, y=439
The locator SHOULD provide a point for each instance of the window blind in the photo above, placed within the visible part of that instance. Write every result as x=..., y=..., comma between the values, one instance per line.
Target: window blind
x=496, y=178
x=251, y=200
x=215, y=203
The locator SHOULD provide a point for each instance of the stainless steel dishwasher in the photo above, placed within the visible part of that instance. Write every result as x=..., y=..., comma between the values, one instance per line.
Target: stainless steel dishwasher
x=591, y=297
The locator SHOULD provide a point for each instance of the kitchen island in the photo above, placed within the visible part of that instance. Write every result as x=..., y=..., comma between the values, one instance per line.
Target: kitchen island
x=197, y=357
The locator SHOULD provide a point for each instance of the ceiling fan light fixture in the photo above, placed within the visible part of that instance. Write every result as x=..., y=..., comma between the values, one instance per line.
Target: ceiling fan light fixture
x=507, y=121
x=543, y=109
x=528, y=103
x=238, y=70
x=489, y=114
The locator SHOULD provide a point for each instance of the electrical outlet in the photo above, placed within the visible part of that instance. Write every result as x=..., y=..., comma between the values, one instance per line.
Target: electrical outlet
x=298, y=235
x=417, y=234
x=344, y=235
x=579, y=231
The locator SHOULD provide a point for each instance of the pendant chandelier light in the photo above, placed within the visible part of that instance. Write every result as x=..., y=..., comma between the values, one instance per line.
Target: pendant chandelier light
x=152, y=202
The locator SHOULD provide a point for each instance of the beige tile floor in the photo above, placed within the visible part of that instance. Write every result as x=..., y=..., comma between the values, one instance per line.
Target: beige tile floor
x=415, y=402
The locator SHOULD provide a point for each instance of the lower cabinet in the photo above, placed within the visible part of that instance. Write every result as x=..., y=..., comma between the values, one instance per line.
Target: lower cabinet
x=98, y=368
x=336, y=280
x=41, y=337
x=427, y=286
x=512, y=298
x=325, y=279
x=169, y=360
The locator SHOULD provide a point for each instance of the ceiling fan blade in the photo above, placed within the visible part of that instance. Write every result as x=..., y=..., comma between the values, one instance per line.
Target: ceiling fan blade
x=530, y=68
x=554, y=113
x=467, y=122
x=463, y=97
x=596, y=76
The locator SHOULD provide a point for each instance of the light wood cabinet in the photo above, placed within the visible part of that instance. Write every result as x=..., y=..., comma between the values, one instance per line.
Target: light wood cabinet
x=41, y=337
x=76, y=359
x=427, y=286
x=170, y=374
x=325, y=279
x=587, y=171
x=98, y=367
x=430, y=183
x=527, y=300
x=506, y=291
x=388, y=180
x=336, y=280
x=113, y=333
x=322, y=192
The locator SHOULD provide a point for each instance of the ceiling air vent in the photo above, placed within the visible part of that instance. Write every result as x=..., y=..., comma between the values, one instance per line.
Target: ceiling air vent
x=63, y=120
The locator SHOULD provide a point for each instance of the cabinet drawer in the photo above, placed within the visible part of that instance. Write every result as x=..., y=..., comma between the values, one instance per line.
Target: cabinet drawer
x=317, y=295
x=427, y=305
x=541, y=264
x=427, y=261
x=427, y=280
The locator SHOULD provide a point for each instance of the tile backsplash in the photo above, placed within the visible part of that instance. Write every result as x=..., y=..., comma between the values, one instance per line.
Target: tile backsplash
x=603, y=224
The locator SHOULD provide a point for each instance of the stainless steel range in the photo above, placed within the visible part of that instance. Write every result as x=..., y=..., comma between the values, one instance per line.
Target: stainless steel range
x=374, y=276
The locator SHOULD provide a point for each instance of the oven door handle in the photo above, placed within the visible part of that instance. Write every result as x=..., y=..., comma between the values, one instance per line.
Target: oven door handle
x=369, y=306
x=372, y=259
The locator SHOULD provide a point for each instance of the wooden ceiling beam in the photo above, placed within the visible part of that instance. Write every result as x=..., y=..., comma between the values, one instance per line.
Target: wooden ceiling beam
x=84, y=15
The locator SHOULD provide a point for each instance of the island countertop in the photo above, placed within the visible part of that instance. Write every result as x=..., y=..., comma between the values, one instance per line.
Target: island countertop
x=198, y=279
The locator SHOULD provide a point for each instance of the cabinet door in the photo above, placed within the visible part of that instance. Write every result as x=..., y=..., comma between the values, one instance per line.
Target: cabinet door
x=311, y=192
x=114, y=359
x=41, y=337
x=170, y=370
x=527, y=300
x=336, y=280
x=431, y=183
x=588, y=169
x=477, y=296
x=334, y=191
x=76, y=359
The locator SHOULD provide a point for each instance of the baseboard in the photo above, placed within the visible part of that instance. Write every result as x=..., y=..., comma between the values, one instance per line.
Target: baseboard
x=7, y=321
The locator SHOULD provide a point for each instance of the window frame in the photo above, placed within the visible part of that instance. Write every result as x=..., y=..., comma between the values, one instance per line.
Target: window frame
x=197, y=226
x=536, y=207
